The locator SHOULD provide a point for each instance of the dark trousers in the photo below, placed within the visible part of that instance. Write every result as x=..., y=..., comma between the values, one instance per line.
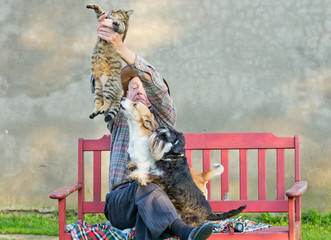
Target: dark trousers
x=147, y=208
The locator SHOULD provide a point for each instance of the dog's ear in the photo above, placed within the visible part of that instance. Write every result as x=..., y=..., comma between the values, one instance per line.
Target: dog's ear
x=158, y=145
x=149, y=123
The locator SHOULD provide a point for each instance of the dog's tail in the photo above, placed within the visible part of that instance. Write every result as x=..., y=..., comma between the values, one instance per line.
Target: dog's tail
x=218, y=169
x=225, y=215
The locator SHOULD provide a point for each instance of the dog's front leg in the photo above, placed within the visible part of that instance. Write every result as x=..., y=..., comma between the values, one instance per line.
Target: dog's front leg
x=131, y=166
x=141, y=176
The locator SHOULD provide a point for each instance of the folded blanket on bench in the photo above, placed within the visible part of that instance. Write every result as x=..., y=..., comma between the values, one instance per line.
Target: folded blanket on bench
x=81, y=230
x=238, y=225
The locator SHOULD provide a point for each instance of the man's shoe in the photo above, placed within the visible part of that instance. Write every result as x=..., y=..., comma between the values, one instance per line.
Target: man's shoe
x=202, y=232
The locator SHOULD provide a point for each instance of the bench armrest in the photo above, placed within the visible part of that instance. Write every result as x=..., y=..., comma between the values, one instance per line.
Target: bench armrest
x=65, y=191
x=297, y=190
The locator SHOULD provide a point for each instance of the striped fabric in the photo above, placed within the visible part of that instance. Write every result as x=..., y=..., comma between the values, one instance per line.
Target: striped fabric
x=162, y=108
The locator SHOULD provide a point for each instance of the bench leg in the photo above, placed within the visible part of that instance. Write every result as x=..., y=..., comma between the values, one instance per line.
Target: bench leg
x=62, y=218
x=291, y=219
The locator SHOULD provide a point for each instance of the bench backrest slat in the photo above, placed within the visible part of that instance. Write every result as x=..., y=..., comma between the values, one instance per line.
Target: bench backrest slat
x=206, y=167
x=97, y=176
x=243, y=174
x=280, y=174
x=262, y=177
x=225, y=174
x=189, y=157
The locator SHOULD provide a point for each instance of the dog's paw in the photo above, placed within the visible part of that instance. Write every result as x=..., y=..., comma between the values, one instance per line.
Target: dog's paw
x=131, y=166
x=132, y=177
x=142, y=183
x=140, y=176
x=143, y=179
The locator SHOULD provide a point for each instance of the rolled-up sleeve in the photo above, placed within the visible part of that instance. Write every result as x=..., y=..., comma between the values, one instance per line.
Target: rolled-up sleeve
x=157, y=92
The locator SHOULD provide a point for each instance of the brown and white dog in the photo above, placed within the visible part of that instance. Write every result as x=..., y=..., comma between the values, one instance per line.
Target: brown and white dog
x=141, y=123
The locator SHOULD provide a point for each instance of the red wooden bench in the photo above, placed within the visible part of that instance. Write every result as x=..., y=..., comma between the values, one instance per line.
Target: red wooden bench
x=285, y=201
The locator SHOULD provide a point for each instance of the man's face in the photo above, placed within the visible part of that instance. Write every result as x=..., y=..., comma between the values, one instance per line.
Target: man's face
x=136, y=92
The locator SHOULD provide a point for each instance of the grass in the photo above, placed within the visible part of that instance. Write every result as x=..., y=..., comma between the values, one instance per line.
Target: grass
x=315, y=226
x=40, y=224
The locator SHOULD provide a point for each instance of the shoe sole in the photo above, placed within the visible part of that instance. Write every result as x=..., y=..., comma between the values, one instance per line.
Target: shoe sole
x=205, y=230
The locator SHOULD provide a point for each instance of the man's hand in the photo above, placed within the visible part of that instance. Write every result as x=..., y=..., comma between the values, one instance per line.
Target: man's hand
x=105, y=31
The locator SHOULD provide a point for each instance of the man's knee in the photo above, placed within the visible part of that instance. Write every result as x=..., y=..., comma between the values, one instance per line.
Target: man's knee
x=148, y=189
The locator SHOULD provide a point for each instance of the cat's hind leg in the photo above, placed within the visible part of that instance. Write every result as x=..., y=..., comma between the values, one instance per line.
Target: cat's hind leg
x=117, y=95
x=98, y=98
x=112, y=95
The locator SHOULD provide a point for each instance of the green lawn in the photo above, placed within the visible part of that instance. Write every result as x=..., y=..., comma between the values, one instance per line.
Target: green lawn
x=315, y=226
x=40, y=224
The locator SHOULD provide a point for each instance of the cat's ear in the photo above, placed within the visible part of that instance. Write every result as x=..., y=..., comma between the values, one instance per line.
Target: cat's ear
x=129, y=12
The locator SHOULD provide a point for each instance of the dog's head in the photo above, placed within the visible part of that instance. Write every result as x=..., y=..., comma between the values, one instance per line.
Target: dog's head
x=139, y=113
x=166, y=142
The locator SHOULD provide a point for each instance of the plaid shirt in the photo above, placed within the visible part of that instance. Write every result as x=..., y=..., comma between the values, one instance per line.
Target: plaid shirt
x=162, y=108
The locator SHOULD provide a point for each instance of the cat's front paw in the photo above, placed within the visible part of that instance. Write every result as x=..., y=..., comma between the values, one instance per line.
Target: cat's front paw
x=118, y=26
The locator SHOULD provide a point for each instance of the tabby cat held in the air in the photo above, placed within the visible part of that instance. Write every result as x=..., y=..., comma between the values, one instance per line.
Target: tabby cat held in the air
x=106, y=67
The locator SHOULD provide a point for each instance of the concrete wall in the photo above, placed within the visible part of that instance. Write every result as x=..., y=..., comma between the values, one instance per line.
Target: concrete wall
x=232, y=65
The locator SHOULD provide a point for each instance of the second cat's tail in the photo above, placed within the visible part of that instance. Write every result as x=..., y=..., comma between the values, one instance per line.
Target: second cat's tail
x=225, y=215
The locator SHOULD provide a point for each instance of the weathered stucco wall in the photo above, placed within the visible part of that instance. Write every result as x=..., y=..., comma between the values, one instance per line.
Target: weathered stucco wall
x=233, y=66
